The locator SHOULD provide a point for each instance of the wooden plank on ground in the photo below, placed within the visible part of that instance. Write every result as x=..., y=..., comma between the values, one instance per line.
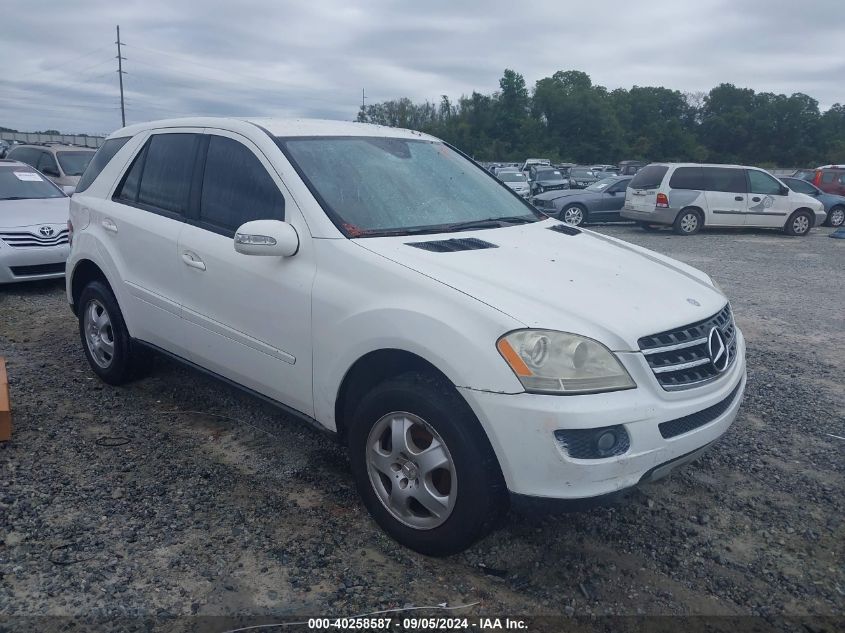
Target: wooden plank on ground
x=5, y=405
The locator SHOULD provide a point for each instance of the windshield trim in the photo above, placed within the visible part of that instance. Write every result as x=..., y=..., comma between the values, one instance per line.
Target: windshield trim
x=353, y=233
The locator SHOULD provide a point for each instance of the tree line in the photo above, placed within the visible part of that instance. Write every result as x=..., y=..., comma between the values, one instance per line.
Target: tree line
x=569, y=119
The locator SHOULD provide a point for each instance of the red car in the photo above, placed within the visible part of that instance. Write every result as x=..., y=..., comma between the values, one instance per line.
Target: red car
x=830, y=179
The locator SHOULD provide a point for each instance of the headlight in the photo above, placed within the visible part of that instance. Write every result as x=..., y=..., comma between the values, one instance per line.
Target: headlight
x=546, y=361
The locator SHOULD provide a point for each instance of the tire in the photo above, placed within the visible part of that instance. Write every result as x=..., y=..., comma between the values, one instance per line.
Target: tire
x=836, y=217
x=469, y=482
x=799, y=224
x=574, y=214
x=648, y=226
x=688, y=222
x=105, y=339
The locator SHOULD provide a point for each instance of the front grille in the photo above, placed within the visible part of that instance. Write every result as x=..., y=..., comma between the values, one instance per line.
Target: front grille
x=25, y=239
x=679, y=358
x=38, y=269
x=688, y=423
x=453, y=245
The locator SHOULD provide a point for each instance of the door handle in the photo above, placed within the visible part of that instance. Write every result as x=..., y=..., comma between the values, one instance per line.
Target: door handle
x=738, y=198
x=109, y=225
x=193, y=260
x=755, y=199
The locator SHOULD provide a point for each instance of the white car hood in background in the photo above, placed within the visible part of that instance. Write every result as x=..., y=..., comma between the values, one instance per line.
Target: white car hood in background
x=587, y=284
x=18, y=213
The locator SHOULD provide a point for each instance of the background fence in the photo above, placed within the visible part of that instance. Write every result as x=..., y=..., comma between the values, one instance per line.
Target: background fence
x=69, y=139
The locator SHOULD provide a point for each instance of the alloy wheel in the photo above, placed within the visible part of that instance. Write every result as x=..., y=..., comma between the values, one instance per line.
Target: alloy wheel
x=837, y=217
x=689, y=223
x=573, y=215
x=99, y=335
x=801, y=224
x=411, y=470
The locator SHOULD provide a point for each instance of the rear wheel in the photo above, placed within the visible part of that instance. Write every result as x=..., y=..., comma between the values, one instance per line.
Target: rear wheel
x=688, y=222
x=836, y=217
x=423, y=466
x=799, y=223
x=105, y=338
x=574, y=214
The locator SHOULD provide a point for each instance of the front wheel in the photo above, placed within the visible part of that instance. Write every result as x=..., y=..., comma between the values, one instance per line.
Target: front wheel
x=688, y=222
x=423, y=466
x=799, y=224
x=836, y=217
x=574, y=214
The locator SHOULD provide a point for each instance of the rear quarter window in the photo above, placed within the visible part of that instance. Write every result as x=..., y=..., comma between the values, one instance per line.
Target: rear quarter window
x=649, y=177
x=100, y=160
x=687, y=178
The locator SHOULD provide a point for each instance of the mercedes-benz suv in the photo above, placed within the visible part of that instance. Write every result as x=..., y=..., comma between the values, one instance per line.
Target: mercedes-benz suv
x=466, y=348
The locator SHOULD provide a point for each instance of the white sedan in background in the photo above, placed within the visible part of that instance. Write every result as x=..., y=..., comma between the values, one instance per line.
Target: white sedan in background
x=33, y=224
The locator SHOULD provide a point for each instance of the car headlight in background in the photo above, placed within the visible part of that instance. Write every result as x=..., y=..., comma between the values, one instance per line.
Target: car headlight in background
x=546, y=361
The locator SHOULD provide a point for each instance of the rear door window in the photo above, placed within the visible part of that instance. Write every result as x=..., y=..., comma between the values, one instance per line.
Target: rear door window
x=649, y=177
x=236, y=188
x=166, y=179
x=827, y=177
x=727, y=179
x=47, y=164
x=100, y=160
x=687, y=178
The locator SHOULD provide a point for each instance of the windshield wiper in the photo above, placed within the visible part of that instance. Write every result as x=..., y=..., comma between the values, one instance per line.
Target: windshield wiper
x=14, y=198
x=488, y=223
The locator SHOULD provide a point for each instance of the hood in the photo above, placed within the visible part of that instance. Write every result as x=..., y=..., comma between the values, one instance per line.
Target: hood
x=16, y=213
x=810, y=201
x=586, y=284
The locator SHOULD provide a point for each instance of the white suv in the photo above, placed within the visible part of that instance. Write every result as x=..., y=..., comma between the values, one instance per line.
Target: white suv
x=688, y=197
x=468, y=349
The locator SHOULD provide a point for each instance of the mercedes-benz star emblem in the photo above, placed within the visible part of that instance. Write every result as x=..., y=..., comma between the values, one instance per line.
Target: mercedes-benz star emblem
x=692, y=301
x=46, y=231
x=720, y=356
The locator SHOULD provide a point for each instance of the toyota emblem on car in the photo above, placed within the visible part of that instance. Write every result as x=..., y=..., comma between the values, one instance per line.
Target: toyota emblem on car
x=46, y=231
x=717, y=350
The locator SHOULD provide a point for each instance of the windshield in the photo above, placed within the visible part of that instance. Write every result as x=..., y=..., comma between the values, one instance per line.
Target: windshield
x=801, y=186
x=512, y=176
x=601, y=185
x=581, y=173
x=20, y=183
x=74, y=163
x=549, y=174
x=383, y=186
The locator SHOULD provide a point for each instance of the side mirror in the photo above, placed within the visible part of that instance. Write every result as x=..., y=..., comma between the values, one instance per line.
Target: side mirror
x=69, y=190
x=267, y=237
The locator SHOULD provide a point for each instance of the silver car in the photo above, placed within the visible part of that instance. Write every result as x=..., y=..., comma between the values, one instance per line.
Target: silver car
x=516, y=180
x=33, y=225
x=63, y=164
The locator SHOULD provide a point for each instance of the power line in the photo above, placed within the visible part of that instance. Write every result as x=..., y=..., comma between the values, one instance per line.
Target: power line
x=59, y=65
x=120, y=76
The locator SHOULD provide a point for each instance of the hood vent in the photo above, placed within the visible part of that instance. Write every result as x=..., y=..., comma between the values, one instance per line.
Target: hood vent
x=566, y=229
x=453, y=245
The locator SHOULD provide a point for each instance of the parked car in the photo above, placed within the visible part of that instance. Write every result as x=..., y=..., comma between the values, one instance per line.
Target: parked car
x=804, y=174
x=33, y=224
x=516, y=180
x=830, y=179
x=601, y=201
x=582, y=177
x=834, y=206
x=4, y=147
x=542, y=178
x=63, y=164
x=690, y=196
x=466, y=348
x=630, y=167
x=534, y=161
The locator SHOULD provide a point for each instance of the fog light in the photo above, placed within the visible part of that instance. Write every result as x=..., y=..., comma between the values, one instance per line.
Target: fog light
x=606, y=443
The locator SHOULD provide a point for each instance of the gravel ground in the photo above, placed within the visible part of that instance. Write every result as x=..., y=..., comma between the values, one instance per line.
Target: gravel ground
x=178, y=495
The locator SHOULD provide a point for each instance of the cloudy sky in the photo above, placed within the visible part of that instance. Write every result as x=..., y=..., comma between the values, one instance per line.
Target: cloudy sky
x=284, y=58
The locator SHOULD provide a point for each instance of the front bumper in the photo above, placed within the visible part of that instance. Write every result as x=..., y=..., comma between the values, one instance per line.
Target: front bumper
x=657, y=216
x=821, y=217
x=30, y=264
x=521, y=429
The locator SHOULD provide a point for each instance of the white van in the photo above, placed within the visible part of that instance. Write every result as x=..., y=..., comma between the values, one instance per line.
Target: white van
x=372, y=281
x=689, y=197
